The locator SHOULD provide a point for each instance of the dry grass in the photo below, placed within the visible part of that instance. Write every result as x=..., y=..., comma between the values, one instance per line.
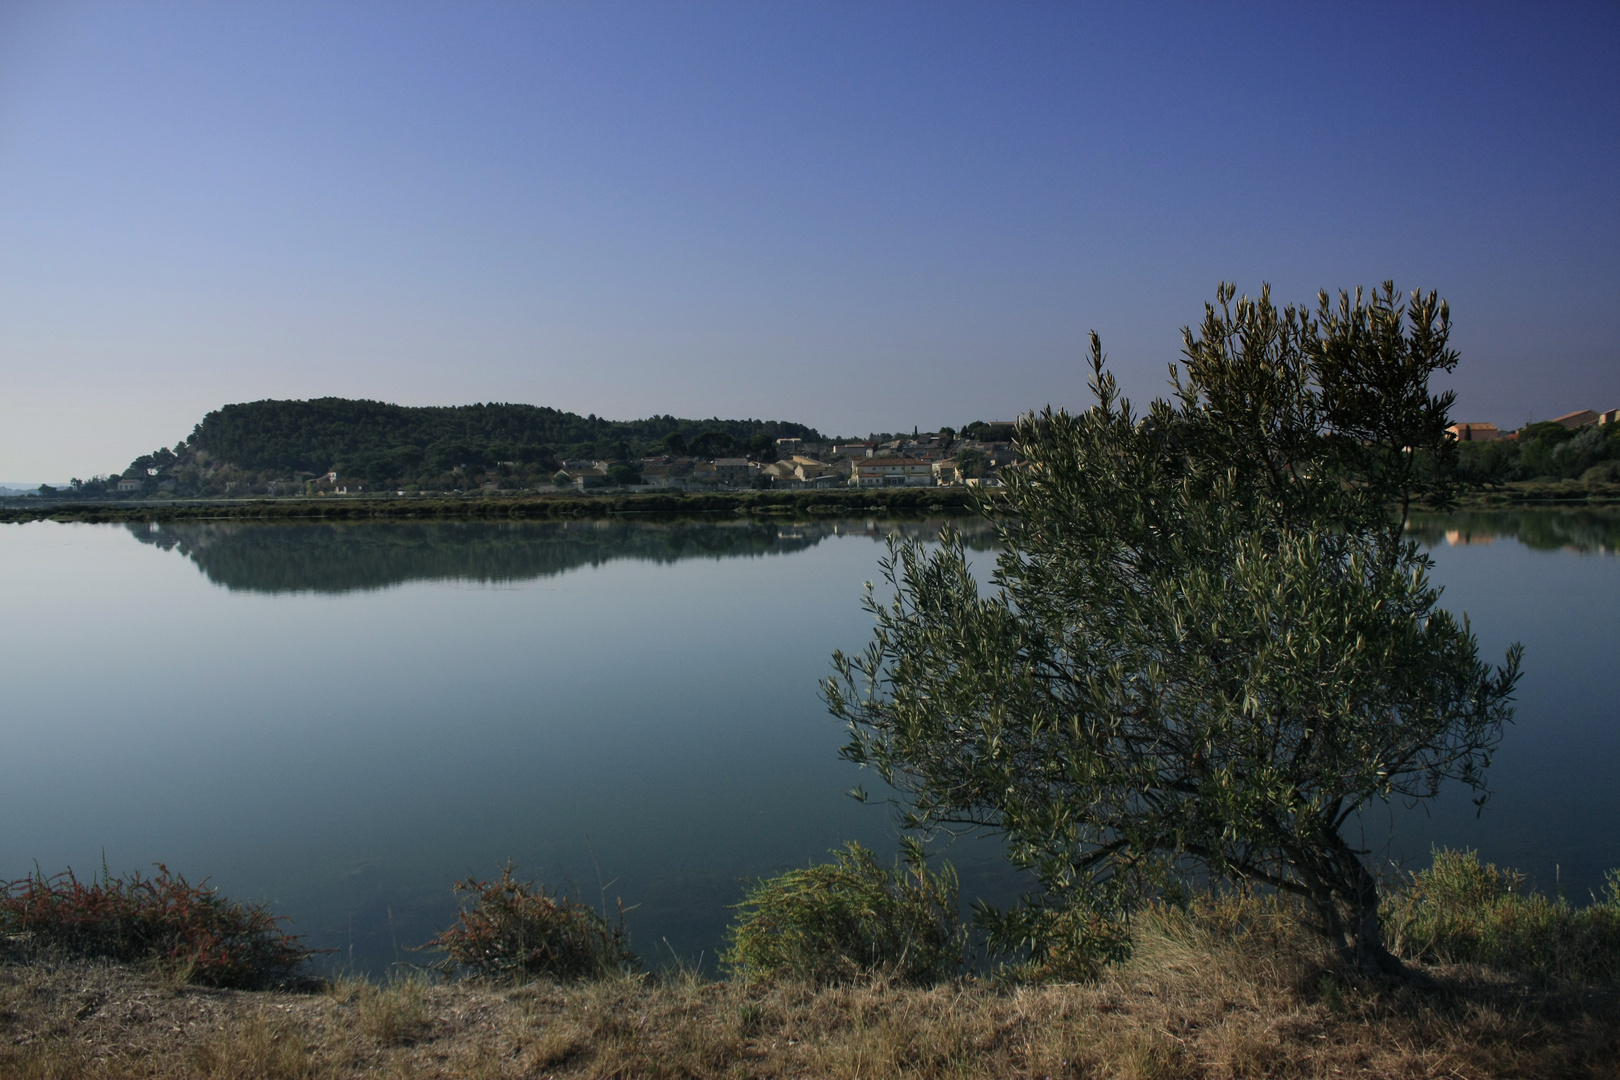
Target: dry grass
x=1251, y=997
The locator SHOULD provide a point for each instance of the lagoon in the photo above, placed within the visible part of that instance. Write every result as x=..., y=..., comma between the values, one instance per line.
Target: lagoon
x=341, y=720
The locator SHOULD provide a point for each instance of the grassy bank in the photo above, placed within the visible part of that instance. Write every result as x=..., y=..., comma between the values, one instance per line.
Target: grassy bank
x=1195, y=1000
x=831, y=503
x=1530, y=494
x=1231, y=985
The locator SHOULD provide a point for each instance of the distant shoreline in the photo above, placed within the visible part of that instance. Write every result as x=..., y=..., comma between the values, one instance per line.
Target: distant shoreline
x=1540, y=494
x=932, y=501
x=910, y=501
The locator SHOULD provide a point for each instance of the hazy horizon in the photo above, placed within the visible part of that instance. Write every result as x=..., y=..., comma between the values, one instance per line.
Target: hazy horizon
x=855, y=216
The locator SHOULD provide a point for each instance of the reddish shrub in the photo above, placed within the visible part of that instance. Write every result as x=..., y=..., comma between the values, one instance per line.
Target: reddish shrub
x=512, y=929
x=164, y=919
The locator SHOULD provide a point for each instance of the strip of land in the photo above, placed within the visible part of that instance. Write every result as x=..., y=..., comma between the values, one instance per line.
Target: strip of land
x=1530, y=494
x=1180, y=1008
x=930, y=502
x=854, y=502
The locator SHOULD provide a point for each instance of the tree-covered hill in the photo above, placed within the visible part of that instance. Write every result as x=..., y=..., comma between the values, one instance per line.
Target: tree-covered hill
x=337, y=433
x=437, y=446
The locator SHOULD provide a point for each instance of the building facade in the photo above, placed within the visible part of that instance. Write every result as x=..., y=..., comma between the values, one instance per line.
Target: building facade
x=892, y=472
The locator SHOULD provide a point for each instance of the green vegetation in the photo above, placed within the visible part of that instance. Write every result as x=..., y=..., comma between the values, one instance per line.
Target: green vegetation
x=513, y=930
x=1534, y=493
x=1462, y=911
x=972, y=463
x=1544, y=452
x=1210, y=643
x=850, y=919
x=189, y=931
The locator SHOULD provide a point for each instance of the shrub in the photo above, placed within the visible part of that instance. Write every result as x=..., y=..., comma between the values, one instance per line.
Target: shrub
x=1063, y=940
x=1463, y=911
x=849, y=918
x=1607, y=472
x=187, y=929
x=514, y=930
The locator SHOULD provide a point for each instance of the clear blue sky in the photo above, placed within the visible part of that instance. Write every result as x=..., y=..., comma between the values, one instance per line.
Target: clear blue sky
x=861, y=216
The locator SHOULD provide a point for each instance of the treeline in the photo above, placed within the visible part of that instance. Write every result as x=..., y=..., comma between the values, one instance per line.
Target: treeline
x=1546, y=451
x=246, y=446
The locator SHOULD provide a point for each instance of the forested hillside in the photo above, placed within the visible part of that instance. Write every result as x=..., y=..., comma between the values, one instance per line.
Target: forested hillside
x=252, y=445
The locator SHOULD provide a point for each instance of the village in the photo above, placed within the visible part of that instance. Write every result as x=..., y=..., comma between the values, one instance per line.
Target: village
x=1575, y=421
x=931, y=459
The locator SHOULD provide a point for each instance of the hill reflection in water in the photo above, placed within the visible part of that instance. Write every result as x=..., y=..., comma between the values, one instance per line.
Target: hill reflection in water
x=340, y=558
x=1588, y=532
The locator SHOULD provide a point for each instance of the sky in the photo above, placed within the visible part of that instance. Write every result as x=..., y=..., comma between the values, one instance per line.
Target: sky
x=861, y=216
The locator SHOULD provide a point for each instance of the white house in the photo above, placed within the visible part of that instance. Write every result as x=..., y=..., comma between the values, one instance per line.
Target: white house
x=892, y=472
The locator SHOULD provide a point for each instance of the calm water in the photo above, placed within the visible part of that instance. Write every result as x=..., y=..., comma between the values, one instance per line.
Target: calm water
x=340, y=721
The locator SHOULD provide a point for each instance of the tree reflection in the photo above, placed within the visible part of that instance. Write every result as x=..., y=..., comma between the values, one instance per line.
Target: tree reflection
x=339, y=558
x=1584, y=531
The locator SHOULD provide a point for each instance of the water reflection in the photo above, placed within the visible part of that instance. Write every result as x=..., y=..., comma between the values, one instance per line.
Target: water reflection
x=313, y=736
x=1584, y=531
x=340, y=558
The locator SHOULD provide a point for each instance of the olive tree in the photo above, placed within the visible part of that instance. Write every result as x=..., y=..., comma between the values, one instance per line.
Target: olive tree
x=1207, y=643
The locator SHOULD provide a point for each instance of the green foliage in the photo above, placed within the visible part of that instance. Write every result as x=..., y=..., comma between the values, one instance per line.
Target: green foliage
x=1059, y=939
x=1208, y=643
x=1544, y=451
x=324, y=433
x=1463, y=911
x=622, y=473
x=1606, y=472
x=514, y=930
x=986, y=432
x=849, y=918
x=162, y=920
x=972, y=463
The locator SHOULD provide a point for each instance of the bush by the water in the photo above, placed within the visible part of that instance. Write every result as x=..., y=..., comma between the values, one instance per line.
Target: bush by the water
x=850, y=918
x=1462, y=911
x=189, y=930
x=510, y=929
